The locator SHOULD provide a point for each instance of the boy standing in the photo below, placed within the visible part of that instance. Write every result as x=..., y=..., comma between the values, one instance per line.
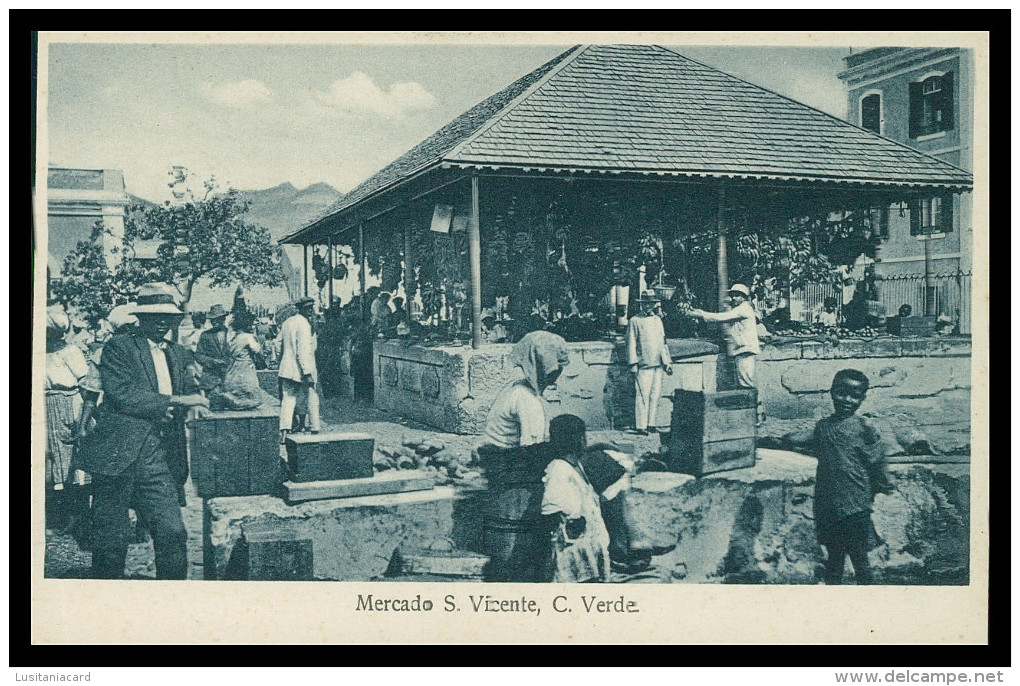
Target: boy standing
x=851, y=469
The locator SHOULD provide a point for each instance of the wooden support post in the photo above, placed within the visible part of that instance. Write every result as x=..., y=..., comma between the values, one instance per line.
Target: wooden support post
x=929, y=278
x=362, y=268
x=409, y=285
x=330, y=271
x=721, y=266
x=475, y=257
x=305, y=272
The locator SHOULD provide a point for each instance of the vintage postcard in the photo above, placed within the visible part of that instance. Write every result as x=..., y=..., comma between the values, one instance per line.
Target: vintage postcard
x=511, y=337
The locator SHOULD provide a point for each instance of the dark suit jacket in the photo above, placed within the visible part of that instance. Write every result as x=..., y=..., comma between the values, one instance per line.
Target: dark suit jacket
x=213, y=353
x=133, y=409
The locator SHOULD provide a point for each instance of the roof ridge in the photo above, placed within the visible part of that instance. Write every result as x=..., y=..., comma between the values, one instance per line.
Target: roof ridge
x=342, y=202
x=812, y=108
x=528, y=92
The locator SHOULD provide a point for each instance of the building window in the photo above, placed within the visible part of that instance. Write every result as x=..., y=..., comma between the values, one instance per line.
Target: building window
x=931, y=105
x=931, y=215
x=880, y=221
x=871, y=112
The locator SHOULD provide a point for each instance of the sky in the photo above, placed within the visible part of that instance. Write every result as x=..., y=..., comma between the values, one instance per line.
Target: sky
x=256, y=116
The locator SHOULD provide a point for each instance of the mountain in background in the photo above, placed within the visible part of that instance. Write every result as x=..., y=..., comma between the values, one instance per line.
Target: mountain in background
x=282, y=209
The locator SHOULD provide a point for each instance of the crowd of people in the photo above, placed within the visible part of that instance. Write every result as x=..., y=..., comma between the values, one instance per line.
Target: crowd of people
x=586, y=528
x=118, y=396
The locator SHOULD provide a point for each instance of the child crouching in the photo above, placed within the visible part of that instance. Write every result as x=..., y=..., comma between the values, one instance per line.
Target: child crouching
x=580, y=540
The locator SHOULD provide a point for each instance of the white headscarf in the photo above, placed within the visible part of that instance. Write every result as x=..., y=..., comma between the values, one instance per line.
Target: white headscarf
x=539, y=354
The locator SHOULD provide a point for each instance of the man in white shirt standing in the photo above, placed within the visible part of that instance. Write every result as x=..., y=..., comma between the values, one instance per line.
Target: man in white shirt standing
x=741, y=331
x=298, y=375
x=647, y=356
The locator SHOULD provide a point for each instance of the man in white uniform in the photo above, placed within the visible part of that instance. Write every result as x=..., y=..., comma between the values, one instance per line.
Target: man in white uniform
x=741, y=331
x=648, y=356
x=298, y=375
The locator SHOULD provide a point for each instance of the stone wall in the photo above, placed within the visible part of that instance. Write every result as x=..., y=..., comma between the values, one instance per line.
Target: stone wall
x=920, y=393
x=756, y=525
x=750, y=525
x=453, y=387
x=919, y=396
x=352, y=539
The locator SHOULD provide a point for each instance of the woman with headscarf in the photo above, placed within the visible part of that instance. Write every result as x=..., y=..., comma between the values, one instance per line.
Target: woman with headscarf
x=240, y=389
x=517, y=416
x=516, y=536
x=66, y=367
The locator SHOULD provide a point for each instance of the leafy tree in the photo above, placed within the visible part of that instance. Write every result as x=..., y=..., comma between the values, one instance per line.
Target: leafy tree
x=206, y=238
x=88, y=285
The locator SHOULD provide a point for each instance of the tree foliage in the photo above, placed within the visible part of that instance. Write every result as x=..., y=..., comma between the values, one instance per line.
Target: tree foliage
x=206, y=238
x=89, y=286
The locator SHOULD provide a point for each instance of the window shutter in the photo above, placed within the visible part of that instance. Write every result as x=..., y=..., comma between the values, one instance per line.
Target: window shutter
x=915, y=215
x=871, y=113
x=946, y=218
x=947, y=101
x=916, y=110
x=883, y=222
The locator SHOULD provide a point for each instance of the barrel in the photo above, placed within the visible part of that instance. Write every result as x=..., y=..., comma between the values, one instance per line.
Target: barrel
x=514, y=535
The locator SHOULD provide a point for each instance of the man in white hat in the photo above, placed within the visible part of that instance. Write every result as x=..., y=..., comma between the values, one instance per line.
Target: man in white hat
x=297, y=374
x=647, y=356
x=741, y=331
x=136, y=453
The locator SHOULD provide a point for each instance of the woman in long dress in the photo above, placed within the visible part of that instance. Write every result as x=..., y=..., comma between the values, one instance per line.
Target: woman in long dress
x=515, y=457
x=240, y=389
x=66, y=367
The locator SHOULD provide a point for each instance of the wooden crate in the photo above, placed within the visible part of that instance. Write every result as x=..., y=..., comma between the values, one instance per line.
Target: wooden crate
x=271, y=552
x=237, y=453
x=713, y=432
x=912, y=326
x=330, y=456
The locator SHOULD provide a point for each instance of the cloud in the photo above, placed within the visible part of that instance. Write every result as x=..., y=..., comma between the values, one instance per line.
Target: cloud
x=359, y=93
x=238, y=94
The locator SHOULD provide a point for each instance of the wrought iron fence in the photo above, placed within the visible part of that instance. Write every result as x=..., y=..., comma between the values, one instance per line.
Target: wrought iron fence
x=952, y=296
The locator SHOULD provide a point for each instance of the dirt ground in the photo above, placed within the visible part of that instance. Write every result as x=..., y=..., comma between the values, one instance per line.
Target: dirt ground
x=64, y=559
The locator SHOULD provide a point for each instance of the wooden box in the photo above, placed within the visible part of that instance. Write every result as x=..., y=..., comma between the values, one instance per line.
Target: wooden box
x=274, y=552
x=912, y=326
x=713, y=432
x=237, y=453
x=330, y=456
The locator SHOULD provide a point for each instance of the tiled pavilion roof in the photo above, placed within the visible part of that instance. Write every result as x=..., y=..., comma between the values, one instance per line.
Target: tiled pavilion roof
x=646, y=109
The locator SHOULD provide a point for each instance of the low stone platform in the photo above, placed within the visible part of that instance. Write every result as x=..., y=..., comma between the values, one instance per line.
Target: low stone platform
x=352, y=538
x=750, y=525
x=756, y=525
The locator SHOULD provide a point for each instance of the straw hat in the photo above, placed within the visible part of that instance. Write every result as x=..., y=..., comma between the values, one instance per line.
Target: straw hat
x=156, y=298
x=216, y=311
x=740, y=288
x=57, y=321
x=649, y=296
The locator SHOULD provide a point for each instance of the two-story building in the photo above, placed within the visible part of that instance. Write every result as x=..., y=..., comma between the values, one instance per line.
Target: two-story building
x=921, y=97
x=76, y=199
